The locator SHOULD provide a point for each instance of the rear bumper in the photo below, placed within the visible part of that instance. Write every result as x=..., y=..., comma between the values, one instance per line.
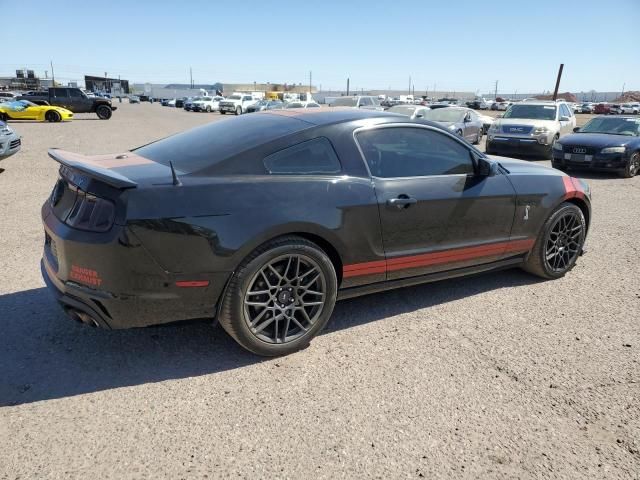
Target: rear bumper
x=112, y=279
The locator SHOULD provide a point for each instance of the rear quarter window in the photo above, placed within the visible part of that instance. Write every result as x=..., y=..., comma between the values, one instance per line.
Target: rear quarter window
x=313, y=157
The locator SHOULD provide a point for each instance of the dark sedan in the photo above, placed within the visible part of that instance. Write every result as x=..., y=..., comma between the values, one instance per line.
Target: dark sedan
x=604, y=143
x=265, y=220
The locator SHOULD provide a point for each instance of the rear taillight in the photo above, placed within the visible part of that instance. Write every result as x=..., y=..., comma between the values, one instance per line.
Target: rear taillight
x=91, y=213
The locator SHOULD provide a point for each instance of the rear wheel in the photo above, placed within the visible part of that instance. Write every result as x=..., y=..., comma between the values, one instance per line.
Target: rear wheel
x=52, y=116
x=4, y=117
x=633, y=166
x=103, y=112
x=280, y=297
x=222, y=112
x=559, y=243
x=479, y=137
x=549, y=153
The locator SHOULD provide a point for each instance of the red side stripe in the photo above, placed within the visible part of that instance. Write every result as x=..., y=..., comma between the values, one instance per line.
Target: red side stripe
x=193, y=283
x=572, y=188
x=437, y=258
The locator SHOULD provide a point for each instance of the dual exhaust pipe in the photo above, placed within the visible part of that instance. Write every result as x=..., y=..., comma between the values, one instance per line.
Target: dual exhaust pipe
x=81, y=317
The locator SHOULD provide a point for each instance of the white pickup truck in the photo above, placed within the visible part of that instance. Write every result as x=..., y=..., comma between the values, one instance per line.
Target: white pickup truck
x=206, y=104
x=237, y=103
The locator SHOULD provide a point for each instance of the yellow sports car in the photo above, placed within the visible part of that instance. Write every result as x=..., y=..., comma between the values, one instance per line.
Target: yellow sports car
x=26, y=110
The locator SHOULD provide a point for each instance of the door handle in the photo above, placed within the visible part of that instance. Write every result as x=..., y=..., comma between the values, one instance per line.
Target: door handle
x=402, y=201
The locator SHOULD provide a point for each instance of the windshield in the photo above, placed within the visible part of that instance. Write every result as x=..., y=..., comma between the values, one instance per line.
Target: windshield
x=18, y=105
x=616, y=126
x=345, y=102
x=445, y=115
x=235, y=97
x=532, y=112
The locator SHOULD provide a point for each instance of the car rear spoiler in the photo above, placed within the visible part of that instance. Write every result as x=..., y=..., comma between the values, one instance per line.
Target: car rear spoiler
x=92, y=167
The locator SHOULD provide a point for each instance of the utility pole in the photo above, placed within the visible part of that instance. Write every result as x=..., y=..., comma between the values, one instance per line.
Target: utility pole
x=555, y=91
x=191, y=77
x=623, y=85
x=310, y=77
x=53, y=76
x=409, y=85
x=347, y=87
x=495, y=95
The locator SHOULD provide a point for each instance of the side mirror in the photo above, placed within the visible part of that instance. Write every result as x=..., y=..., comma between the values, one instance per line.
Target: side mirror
x=576, y=129
x=486, y=168
x=467, y=119
x=500, y=116
x=564, y=118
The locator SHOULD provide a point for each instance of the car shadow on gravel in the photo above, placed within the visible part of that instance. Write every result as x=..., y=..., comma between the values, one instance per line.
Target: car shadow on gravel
x=44, y=355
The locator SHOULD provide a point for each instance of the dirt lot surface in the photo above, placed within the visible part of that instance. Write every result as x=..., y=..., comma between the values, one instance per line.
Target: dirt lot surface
x=496, y=376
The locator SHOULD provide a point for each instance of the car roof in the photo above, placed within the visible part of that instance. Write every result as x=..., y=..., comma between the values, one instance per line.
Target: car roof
x=328, y=116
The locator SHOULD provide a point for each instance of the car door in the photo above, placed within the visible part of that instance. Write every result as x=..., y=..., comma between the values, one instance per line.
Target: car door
x=78, y=102
x=60, y=98
x=436, y=212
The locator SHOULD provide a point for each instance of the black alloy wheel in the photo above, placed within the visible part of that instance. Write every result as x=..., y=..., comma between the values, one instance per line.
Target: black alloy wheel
x=103, y=112
x=559, y=244
x=52, y=116
x=633, y=166
x=280, y=297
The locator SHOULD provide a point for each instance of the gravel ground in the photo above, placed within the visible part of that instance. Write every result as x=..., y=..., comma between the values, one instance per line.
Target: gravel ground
x=496, y=376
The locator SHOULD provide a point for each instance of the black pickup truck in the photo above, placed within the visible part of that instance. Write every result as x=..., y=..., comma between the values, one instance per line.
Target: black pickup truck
x=72, y=99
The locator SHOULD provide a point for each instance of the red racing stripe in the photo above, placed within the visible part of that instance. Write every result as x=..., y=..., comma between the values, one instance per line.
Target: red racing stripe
x=572, y=188
x=437, y=258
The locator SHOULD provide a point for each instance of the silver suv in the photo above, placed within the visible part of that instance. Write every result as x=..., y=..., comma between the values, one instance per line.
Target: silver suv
x=530, y=127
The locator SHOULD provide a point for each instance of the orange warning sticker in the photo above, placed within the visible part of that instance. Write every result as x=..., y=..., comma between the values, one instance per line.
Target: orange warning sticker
x=85, y=275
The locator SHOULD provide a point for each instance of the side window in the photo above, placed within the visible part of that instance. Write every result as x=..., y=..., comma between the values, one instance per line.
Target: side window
x=245, y=99
x=365, y=102
x=564, y=110
x=311, y=157
x=60, y=93
x=413, y=152
x=75, y=94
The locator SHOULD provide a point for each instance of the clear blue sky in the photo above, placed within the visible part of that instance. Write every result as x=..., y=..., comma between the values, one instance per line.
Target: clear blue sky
x=456, y=44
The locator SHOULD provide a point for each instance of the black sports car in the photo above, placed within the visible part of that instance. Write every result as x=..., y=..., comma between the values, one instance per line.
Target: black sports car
x=604, y=143
x=264, y=220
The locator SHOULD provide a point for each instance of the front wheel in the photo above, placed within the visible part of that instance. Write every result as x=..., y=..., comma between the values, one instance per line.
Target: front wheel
x=280, y=297
x=633, y=166
x=222, y=112
x=4, y=117
x=549, y=153
x=208, y=109
x=52, y=116
x=103, y=112
x=238, y=110
x=559, y=243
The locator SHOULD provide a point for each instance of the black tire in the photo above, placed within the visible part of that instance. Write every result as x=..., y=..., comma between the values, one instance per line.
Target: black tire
x=4, y=117
x=104, y=112
x=52, y=116
x=561, y=247
x=235, y=315
x=222, y=112
x=549, y=153
x=633, y=166
x=558, y=166
x=238, y=110
x=479, y=138
x=208, y=109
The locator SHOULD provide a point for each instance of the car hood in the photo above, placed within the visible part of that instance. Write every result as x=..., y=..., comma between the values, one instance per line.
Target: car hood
x=522, y=167
x=601, y=140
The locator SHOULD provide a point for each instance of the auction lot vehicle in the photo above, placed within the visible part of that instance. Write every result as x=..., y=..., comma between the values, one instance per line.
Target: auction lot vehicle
x=366, y=102
x=207, y=104
x=411, y=111
x=604, y=143
x=586, y=108
x=264, y=221
x=301, y=105
x=630, y=108
x=462, y=121
x=25, y=110
x=9, y=141
x=74, y=100
x=237, y=103
x=530, y=127
x=265, y=105
x=602, y=109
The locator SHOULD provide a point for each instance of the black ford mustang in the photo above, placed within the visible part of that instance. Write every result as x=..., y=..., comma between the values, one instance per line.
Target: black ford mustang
x=603, y=143
x=264, y=220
